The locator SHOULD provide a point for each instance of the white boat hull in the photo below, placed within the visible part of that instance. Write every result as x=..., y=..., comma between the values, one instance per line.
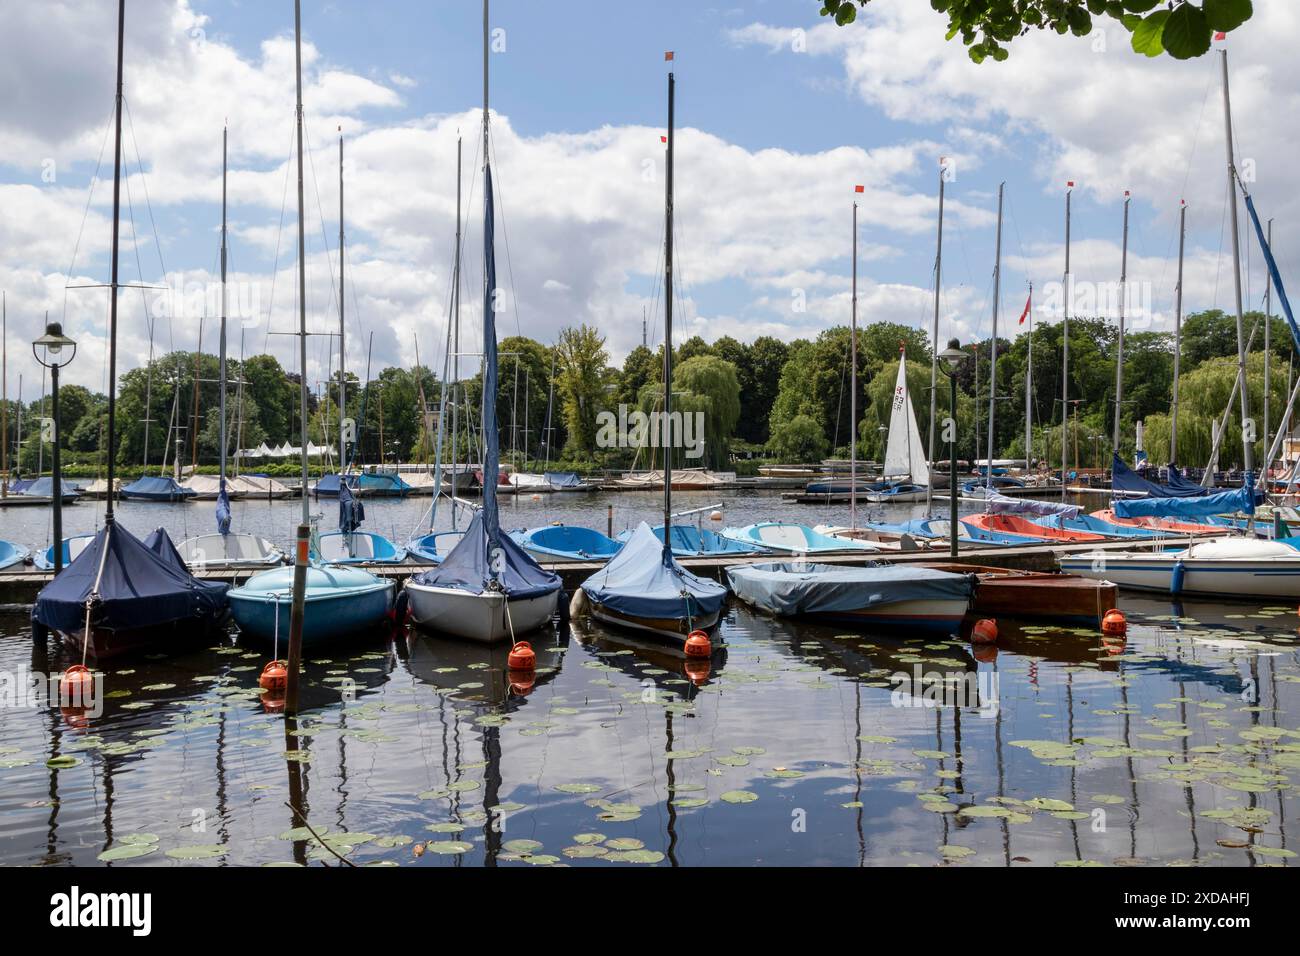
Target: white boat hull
x=1274, y=577
x=229, y=551
x=478, y=617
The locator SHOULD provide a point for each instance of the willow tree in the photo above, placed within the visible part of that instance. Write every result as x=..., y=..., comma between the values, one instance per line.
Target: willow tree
x=708, y=386
x=582, y=371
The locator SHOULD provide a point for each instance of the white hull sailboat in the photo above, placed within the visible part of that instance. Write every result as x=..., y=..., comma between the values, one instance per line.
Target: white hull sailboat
x=484, y=617
x=906, y=467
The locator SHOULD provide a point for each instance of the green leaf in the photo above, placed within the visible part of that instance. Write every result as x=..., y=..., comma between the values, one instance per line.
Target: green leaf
x=1227, y=14
x=1146, y=37
x=1140, y=6
x=1186, y=33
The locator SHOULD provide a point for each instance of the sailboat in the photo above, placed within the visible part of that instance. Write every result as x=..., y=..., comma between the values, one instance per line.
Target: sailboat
x=906, y=468
x=225, y=549
x=118, y=595
x=487, y=588
x=349, y=545
x=339, y=602
x=643, y=587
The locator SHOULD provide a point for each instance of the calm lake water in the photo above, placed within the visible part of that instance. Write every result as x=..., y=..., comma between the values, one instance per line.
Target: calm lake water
x=795, y=745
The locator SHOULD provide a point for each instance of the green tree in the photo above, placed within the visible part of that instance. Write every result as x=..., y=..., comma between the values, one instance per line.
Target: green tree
x=708, y=385
x=1181, y=28
x=582, y=373
x=801, y=440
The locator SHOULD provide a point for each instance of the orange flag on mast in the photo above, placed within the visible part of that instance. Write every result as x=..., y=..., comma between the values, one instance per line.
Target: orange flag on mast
x=1028, y=304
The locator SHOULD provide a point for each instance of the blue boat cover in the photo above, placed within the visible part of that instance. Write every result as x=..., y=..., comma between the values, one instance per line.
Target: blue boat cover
x=643, y=580
x=351, y=511
x=491, y=451
x=573, y=541
x=44, y=487
x=1273, y=271
x=1004, y=504
x=1124, y=478
x=160, y=543
x=223, y=509
x=138, y=588
x=1241, y=499
x=381, y=484
x=793, y=589
x=563, y=479
x=467, y=567
x=329, y=484
x=18, y=486
x=162, y=489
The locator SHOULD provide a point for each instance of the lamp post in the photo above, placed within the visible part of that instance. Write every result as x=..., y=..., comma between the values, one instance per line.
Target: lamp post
x=49, y=351
x=952, y=357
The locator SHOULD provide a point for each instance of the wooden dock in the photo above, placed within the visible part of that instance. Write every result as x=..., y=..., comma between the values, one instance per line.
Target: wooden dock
x=19, y=587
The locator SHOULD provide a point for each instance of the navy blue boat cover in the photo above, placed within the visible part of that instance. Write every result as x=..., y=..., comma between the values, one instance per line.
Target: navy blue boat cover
x=467, y=567
x=161, y=488
x=563, y=479
x=643, y=580
x=45, y=487
x=1124, y=478
x=1005, y=504
x=138, y=587
x=1242, y=499
x=792, y=589
x=160, y=543
x=329, y=484
x=223, y=509
x=351, y=511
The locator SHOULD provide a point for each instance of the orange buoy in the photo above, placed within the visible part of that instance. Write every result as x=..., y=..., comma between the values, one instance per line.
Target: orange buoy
x=275, y=676
x=985, y=653
x=76, y=685
x=698, y=645
x=1114, y=622
x=715, y=516
x=521, y=682
x=536, y=498
x=522, y=657
x=985, y=631
x=697, y=670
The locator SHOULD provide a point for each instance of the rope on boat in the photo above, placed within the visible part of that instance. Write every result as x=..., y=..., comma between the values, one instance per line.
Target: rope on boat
x=93, y=596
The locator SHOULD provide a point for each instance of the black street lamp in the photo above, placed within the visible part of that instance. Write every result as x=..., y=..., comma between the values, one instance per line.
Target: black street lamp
x=952, y=357
x=49, y=351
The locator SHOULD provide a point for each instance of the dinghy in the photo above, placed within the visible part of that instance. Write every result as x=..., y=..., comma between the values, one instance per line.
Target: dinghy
x=913, y=599
x=487, y=588
x=208, y=488
x=348, y=545
x=566, y=543
x=1153, y=524
x=645, y=589
x=72, y=546
x=1216, y=567
x=119, y=595
x=906, y=470
x=788, y=538
x=688, y=541
x=11, y=554
x=1021, y=527
x=44, y=488
x=146, y=488
x=340, y=602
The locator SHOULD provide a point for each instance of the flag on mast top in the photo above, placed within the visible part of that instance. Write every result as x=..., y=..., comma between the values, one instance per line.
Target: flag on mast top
x=859, y=189
x=668, y=55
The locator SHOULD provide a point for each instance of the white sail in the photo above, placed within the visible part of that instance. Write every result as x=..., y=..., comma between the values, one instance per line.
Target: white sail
x=904, y=453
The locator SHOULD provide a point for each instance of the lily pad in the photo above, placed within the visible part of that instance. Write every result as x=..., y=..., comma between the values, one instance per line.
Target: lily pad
x=738, y=796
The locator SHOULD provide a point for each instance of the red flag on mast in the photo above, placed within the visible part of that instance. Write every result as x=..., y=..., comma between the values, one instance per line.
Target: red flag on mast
x=858, y=189
x=1028, y=304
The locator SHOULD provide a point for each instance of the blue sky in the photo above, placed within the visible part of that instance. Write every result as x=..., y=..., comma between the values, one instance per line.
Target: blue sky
x=787, y=124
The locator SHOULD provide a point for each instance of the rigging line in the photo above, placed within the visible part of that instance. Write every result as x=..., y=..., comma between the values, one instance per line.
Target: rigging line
x=275, y=266
x=320, y=215
x=500, y=206
x=85, y=214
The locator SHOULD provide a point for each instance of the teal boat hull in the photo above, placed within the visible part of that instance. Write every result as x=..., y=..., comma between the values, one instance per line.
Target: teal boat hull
x=340, y=603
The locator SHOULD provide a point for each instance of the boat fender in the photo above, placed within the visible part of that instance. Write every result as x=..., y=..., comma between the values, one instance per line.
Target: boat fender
x=40, y=633
x=985, y=631
x=698, y=644
x=1114, y=622
x=401, y=606
x=522, y=657
x=1176, y=578
x=562, y=609
x=578, y=603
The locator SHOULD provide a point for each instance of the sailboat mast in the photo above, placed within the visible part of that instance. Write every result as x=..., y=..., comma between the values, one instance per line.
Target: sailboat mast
x=455, y=344
x=934, y=339
x=1178, y=332
x=4, y=398
x=993, y=345
x=343, y=352
x=111, y=444
x=491, y=435
x=668, y=331
x=1247, y=445
x=302, y=274
x=1119, y=348
x=1268, y=343
x=222, y=346
x=1029, y=385
x=853, y=390
x=1065, y=347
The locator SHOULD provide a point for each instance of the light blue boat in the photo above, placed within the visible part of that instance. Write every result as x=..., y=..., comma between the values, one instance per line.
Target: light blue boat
x=926, y=529
x=340, y=602
x=689, y=541
x=985, y=536
x=563, y=542
x=72, y=547
x=789, y=538
x=431, y=548
x=11, y=554
x=357, y=547
x=1094, y=525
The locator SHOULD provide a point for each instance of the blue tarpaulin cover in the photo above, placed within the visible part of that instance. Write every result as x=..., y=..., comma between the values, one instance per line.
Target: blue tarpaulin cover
x=1124, y=478
x=563, y=479
x=329, y=484
x=644, y=581
x=467, y=567
x=44, y=487
x=138, y=588
x=160, y=543
x=159, y=489
x=1225, y=502
x=382, y=484
x=351, y=511
x=791, y=589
